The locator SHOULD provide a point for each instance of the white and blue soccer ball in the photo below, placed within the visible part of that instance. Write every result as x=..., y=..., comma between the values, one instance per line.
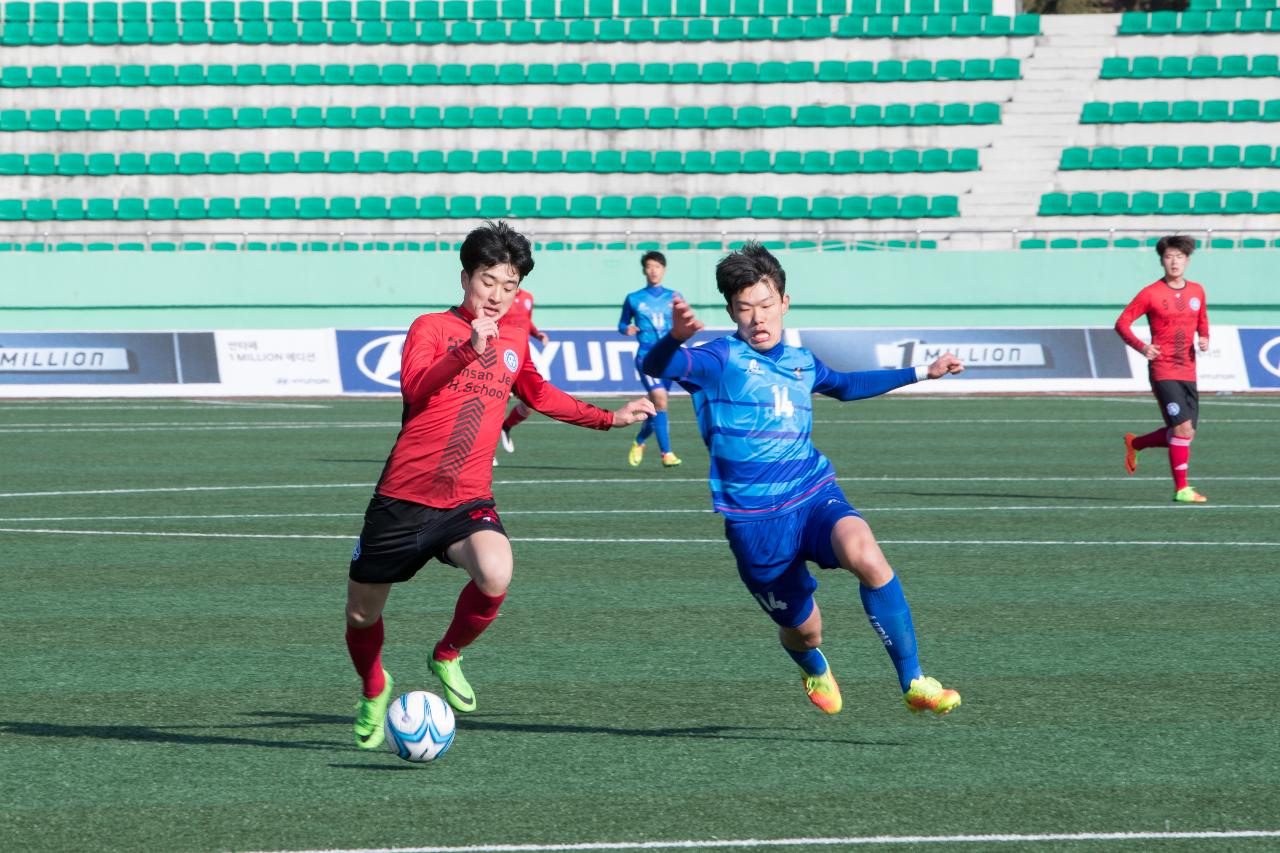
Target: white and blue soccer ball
x=420, y=726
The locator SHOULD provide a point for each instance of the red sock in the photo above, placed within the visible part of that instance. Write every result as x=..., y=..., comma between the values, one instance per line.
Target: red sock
x=1179, y=456
x=1155, y=438
x=365, y=647
x=471, y=617
x=516, y=416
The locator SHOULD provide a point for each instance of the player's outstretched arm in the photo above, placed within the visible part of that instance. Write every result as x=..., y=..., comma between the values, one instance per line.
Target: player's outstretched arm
x=541, y=395
x=662, y=359
x=633, y=412
x=861, y=384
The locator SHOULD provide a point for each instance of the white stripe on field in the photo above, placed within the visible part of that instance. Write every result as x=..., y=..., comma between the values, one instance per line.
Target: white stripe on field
x=856, y=840
x=627, y=541
x=627, y=481
x=506, y=512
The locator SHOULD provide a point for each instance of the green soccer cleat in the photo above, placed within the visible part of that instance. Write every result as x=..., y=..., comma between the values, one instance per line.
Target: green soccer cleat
x=636, y=456
x=1189, y=495
x=371, y=714
x=927, y=694
x=457, y=690
x=823, y=691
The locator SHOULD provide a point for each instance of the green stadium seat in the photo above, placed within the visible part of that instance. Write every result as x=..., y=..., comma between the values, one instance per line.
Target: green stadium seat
x=1114, y=67
x=1125, y=112
x=1075, y=158
x=1141, y=204
x=1134, y=157
x=1144, y=67
x=1185, y=111
x=1226, y=157
x=964, y=160
x=161, y=208
x=1258, y=156
x=1095, y=112
x=1054, y=204
x=1105, y=158
x=1195, y=157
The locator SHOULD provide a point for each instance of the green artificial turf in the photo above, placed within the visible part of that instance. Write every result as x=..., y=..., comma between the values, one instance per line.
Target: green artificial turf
x=1118, y=655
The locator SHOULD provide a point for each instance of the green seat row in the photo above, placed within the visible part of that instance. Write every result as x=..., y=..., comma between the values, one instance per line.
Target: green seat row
x=1172, y=157
x=447, y=246
x=486, y=207
x=1236, y=5
x=569, y=73
x=1167, y=204
x=1199, y=22
x=1127, y=112
x=17, y=34
x=565, y=118
x=517, y=161
x=476, y=10
x=1195, y=67
x=1146, y=243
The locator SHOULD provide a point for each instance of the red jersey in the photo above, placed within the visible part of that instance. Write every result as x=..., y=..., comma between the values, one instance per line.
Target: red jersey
x=454, y=403
x=1175, y=316
x=521, y=312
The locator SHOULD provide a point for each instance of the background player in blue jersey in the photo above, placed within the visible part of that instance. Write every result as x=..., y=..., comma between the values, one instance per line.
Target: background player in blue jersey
x=646, y=314
x=753, y=397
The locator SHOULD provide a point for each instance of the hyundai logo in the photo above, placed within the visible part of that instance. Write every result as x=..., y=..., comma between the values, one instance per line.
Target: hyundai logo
x=1269, y=356
x=380, y=360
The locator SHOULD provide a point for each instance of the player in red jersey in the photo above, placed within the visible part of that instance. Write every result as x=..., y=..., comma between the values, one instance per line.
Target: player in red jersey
x=435, y=498
x=521, y=312
x=1175, y=309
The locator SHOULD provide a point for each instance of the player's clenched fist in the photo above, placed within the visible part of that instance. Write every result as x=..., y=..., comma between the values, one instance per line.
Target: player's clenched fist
x=483, y=329
x=636, y=410
x=946, y=363
x=684, y=323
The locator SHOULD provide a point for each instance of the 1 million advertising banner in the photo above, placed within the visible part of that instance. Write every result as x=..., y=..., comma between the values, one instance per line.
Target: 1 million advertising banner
x=328, y=362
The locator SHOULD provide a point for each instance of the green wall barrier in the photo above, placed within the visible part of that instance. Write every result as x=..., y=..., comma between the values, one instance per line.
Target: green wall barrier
x=249, y=290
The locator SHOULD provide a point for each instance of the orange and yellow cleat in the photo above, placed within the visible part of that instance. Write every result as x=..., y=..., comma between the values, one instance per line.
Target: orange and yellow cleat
x=927, y=694
x=1189, y=496
x=823, y=691
x=1130, y=454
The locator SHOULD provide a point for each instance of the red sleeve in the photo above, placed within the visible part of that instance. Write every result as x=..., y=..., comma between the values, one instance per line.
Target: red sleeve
x=1202, y=327
x=1131, y=313
x=552, y=402
x=421, y=373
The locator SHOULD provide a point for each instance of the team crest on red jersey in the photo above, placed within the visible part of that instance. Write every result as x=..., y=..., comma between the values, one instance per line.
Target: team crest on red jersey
x=511, y=360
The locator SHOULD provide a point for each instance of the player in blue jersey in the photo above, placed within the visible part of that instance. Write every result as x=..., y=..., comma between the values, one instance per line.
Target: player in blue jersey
x=753, y=397
x=646, y=314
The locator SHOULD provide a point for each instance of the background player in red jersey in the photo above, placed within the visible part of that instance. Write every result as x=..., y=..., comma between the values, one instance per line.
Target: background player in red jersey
x=521, y=312
x=1175, y=309
x=435, y=498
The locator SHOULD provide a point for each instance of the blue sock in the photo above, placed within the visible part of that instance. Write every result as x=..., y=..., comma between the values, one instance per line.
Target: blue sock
x=890, y=617
x=646, y=430
x=812, y=661
x=660, y=427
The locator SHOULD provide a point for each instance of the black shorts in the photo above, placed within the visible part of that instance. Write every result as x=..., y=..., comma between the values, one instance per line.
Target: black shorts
x=400, y=537
x=1179, y=401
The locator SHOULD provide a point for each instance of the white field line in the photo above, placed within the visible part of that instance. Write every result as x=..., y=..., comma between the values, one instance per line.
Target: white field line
x=575, y=512
x=59, y=428
x=626, y=481
x=632, y=541
x=848, y=841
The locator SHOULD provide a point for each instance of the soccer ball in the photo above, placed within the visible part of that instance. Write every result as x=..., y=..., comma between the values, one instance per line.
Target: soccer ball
x=420, y=726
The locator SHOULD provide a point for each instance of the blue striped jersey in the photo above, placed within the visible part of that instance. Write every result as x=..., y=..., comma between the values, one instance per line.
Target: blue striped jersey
x=649, y=309
x=755, y=413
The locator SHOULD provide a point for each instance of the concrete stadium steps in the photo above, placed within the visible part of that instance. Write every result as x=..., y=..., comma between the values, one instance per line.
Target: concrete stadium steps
x=1223, y=44
x=1157, y=224
x=1163, y=180
x=1186, y=89
x=1184, y=133
x=815, y=50
x=295, y=139
x=595, y=95
x=481, y=184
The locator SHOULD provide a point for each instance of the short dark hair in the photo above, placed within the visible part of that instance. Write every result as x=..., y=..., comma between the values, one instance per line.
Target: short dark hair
x=653, y=256
x=496, y=243
x=1184, y=244
x=746, y=267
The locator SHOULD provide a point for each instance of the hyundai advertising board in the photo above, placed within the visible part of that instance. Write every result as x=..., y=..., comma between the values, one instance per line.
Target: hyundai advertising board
x=1261, y=350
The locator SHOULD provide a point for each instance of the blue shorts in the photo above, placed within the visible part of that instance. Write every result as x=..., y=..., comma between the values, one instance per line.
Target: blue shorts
x=772, y=552
x=651, y=383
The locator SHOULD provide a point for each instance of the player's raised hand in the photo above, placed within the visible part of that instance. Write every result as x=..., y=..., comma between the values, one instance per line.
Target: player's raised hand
x=684, y=323
x=633, y=412
x=945, y=363
x=1152, y=352
x=483, y=330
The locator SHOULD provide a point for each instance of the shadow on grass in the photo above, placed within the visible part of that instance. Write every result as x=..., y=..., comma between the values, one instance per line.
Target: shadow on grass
x=182, y=734
x=207, y=736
